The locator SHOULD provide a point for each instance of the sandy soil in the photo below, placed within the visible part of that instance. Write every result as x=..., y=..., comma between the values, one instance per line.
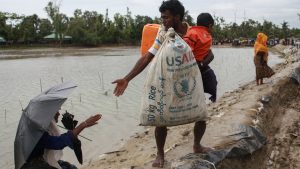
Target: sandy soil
x=279, y=119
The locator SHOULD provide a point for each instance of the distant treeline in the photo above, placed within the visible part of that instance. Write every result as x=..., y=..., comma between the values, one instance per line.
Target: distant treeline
x=92, y=28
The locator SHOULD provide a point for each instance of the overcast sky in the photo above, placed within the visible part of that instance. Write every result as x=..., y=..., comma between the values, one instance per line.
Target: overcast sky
x=276, y=11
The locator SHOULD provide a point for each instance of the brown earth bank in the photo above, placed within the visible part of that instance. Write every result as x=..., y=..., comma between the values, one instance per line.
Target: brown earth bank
x=273, y=107
x=280, y=121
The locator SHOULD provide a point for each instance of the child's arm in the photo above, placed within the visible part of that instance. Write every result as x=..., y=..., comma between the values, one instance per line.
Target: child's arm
x=208, y=58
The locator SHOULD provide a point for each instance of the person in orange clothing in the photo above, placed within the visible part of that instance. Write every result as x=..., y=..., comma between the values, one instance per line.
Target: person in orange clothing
x=261, y=59
x=199, y=38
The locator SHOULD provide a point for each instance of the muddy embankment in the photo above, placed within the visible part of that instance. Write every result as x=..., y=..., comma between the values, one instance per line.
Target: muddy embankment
x=252, y=127
x=275, y=110
x=272, y=110
x=279, y=120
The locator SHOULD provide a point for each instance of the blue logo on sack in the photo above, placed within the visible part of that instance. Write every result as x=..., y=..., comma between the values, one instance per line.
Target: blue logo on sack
x=184, y=87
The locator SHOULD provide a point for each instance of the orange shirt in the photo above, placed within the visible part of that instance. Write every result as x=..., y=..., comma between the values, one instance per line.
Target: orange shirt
x=200, y=41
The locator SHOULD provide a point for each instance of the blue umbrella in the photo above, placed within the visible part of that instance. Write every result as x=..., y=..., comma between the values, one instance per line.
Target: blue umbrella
x=36, y=118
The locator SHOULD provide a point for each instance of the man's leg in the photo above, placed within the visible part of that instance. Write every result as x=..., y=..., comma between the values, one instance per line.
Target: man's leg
x=160, y=138
x=199, y=130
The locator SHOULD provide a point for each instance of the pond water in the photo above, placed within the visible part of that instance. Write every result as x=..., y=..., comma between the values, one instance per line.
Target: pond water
x=23, y=79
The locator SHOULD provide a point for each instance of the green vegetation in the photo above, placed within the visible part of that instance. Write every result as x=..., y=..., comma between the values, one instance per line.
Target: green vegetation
x=250, y=28
x=89, y=28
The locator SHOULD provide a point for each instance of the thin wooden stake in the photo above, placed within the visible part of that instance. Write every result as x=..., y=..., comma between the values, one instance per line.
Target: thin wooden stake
x=99, y=78
x=72, y=105
x=21, y=104
x=41, y=85
x=102, y=81
x=117, y=105
x=5, y=115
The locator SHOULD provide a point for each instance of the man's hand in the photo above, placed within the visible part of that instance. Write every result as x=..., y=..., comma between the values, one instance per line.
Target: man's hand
x=121, y=86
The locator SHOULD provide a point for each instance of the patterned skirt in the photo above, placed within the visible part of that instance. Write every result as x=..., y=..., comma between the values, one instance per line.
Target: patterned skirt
x=262, y=68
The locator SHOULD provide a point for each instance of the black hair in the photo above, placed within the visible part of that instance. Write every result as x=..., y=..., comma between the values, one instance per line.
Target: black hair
x=174, y=6
x=205, y=19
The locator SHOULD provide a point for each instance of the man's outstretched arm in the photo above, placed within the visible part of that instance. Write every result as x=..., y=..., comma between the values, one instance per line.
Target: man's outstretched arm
x=140, y=65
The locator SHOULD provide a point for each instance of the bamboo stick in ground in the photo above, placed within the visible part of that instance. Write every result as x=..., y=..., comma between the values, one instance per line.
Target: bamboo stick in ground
x=5, y=115
x=117, y=105
x=41, y=85
x=102, y=81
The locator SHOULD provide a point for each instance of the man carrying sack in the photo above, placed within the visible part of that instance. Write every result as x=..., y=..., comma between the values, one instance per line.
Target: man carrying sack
x=173, y=92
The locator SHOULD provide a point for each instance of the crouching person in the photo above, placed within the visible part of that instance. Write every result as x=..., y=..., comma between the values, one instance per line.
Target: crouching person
x=47, y=153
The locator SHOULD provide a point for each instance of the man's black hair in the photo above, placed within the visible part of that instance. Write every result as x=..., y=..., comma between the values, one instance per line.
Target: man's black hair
x=205, y=19
x=174, y=6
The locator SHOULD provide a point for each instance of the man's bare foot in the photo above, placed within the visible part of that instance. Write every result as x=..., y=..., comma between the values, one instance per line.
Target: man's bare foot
x=159, y=161
x=202, y=149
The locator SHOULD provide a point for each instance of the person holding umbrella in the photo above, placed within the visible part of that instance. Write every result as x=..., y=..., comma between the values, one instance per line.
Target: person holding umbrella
x=38, y=143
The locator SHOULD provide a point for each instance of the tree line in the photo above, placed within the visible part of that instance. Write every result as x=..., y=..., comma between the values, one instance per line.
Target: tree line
x=90, y=28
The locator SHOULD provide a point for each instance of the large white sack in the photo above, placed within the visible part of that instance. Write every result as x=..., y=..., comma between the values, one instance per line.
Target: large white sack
x=173, y=92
